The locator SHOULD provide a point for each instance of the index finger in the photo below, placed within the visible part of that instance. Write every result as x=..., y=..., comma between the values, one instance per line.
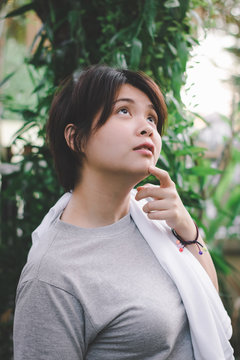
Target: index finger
x=162, y=176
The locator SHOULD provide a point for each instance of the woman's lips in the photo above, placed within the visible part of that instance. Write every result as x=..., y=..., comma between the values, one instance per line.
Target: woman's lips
x=145, y=149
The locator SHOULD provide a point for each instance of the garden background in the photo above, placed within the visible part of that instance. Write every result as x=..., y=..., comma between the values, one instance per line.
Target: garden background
x=43, y=41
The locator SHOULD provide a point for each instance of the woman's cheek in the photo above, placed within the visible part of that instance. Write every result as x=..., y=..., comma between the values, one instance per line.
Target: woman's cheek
x=158, y=147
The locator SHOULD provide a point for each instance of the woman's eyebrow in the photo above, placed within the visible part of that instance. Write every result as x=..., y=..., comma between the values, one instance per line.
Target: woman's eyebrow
x=132, y=101
x=124, y=99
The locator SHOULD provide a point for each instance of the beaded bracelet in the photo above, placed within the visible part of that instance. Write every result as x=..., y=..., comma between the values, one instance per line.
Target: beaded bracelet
x=184, y=242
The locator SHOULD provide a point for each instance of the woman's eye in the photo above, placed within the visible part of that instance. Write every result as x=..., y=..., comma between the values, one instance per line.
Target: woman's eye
x=123, y=111
x=152, y=119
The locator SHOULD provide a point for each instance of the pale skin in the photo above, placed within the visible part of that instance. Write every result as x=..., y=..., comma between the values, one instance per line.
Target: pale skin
x=114, y=164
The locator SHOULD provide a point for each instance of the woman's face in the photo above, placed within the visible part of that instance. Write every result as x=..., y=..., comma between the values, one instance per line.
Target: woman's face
x=128, y=143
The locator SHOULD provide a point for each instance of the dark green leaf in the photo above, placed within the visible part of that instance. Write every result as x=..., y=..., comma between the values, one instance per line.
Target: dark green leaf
x=24, y=129
x=149, y=16
x=23, y=9
x=36, y=37
x=136, y=52
x=125, y=32
x=2, y=82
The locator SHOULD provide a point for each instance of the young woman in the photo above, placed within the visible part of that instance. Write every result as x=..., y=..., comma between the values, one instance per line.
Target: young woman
x=105, y=278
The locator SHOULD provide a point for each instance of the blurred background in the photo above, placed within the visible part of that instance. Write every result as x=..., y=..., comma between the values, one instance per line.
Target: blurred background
x=191, y=48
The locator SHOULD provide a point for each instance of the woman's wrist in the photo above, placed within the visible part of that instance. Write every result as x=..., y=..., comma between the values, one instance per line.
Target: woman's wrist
x=186, y=229
x=181, y=242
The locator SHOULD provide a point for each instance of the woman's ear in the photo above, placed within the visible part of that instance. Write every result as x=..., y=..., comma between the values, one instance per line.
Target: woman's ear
x=69, y=132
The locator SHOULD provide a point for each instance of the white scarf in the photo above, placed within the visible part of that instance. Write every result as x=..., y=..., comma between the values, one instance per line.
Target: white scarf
x=210, y=325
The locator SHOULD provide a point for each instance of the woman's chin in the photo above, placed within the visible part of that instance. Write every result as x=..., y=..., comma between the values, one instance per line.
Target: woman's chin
x=140, y=173
x=144, y=169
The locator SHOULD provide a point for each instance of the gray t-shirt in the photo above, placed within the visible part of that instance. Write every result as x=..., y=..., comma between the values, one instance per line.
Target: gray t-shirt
x=98, y=294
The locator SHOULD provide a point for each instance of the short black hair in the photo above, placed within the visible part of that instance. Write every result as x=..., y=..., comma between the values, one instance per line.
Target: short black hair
x=78, y=100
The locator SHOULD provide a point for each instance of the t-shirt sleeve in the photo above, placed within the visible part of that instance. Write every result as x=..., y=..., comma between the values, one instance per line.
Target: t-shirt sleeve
x=49, y=324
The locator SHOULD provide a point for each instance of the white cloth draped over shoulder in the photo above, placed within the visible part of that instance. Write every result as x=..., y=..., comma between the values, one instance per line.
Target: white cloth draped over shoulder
x=210, y=325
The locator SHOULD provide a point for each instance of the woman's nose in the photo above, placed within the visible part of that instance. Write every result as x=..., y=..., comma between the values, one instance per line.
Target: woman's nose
x=145, y=131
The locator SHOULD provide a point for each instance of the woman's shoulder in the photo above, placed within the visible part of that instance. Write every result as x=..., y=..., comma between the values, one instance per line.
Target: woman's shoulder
x=45, y=261
x=62, y=256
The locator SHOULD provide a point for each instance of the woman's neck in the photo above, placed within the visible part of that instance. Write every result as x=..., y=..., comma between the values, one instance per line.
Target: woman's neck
x=98, y=201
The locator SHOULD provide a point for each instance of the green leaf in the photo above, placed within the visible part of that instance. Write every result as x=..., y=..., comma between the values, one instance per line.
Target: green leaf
x=190, y=151
x=172, y=49
x=183, y=52
x=124, y=33
x=121, y=60
x=225, y=183
x=2, y=82
x=202, y=171
x=23, y=9
x=233, y=202
x=136, y=52
x=149, y=16
x=38, y=34
x=38, y=87
x=172, y=4
x=24, y=129
x=38, y=58
x=220, y=263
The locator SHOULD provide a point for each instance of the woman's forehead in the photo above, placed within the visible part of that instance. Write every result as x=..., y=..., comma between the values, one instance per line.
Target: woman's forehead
x=129, y=93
